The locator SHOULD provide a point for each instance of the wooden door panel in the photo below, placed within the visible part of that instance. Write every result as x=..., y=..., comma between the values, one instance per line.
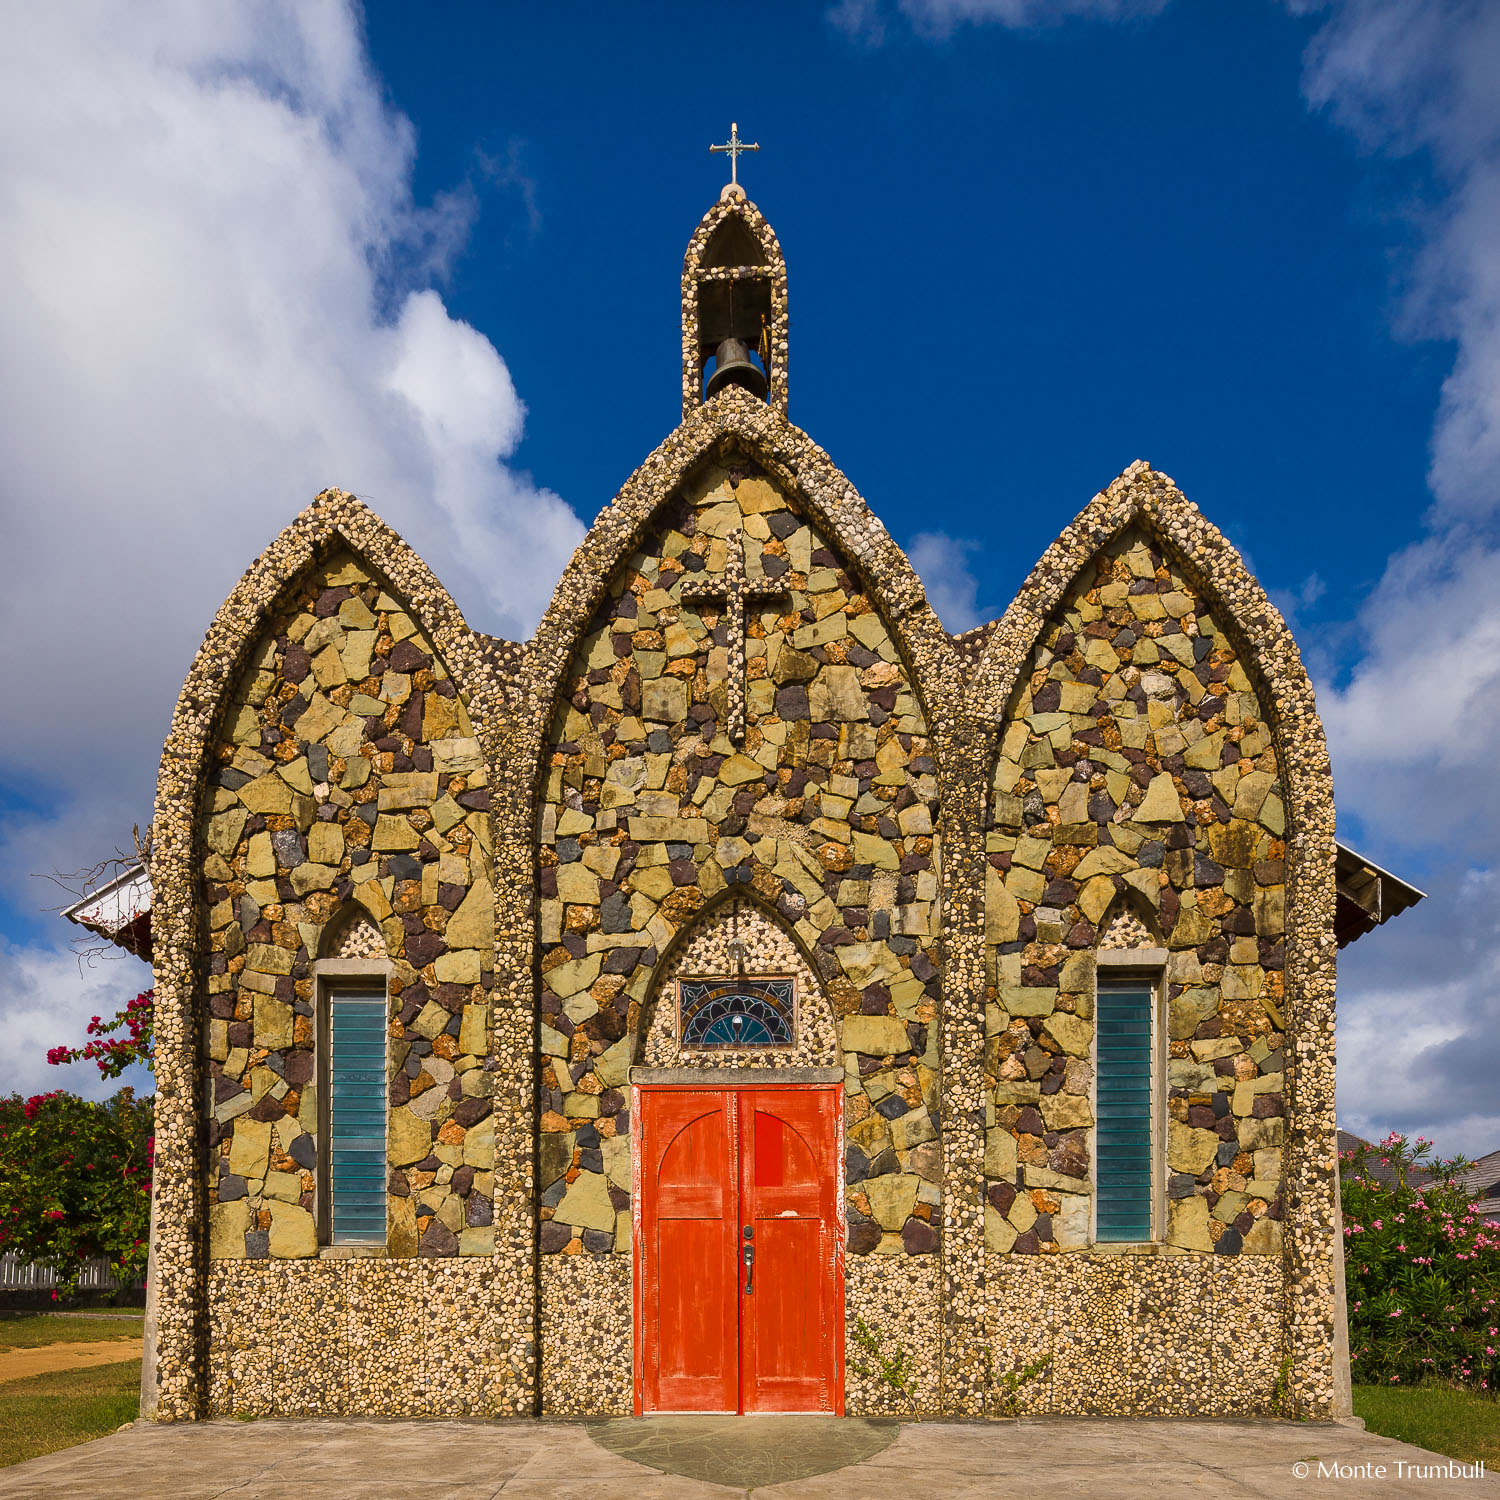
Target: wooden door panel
x=787, y=1298
x=690, y=1181
x=791, y=1323
x=693, y=1293
x=689, y=1307
x=712, y=1163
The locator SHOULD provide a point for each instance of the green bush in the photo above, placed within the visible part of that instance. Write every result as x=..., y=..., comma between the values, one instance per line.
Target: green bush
x=1422, y=1267
x=75, y=1182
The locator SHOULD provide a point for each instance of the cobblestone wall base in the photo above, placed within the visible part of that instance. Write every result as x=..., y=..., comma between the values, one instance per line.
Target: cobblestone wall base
x=1164, y=1335
x=586, y=1336
x=897, y=1298
x=376, y=1338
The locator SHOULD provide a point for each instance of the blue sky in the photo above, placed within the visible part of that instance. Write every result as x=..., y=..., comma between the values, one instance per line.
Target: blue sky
x=1017, y=262
x=431, y=254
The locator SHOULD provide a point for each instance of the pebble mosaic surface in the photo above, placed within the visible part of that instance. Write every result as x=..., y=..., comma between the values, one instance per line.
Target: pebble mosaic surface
x=825, y=809
x=933, y=837
x=1137, y=779
x=348, y=772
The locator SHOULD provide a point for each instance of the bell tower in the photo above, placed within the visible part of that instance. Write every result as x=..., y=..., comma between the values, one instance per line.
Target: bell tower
x=734, y=308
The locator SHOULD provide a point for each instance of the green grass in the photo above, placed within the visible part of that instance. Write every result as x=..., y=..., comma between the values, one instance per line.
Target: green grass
x=1461, y=1424
x=31, y=1331
x=48, y=1412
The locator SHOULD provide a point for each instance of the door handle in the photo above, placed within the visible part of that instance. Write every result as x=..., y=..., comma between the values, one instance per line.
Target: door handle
x=748, y=1256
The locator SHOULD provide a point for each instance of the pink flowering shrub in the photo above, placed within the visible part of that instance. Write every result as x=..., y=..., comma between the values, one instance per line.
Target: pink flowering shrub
x=111, y=1053
x=75, y=1182
x=1423, y=1269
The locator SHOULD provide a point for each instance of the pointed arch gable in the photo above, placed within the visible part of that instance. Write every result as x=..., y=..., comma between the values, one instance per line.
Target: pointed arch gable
x=806, y=473
x=744, y=213
x=762, y=899
x=1143, y=497
x=1129, y=921
x=1149, y=501
x=699, y=948
x=335, y=520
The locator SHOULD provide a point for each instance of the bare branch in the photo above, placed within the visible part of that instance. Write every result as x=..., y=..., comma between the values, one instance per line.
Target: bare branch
x=89, y=945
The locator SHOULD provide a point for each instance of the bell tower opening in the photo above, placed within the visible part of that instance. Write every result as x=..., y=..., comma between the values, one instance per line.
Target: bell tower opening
x=734, y=305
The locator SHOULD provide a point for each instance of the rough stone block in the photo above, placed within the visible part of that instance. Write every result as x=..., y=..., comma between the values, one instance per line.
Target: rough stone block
x=325, y=844
x=577, y=885
x=1161, y=803
x=1071, y=1034
x=273, y=1023
x=669, y=830
x=249, y=1149
x=227, y=1223
x=294, y=1235
x=406, y=789
x=1028, y=999
x=408, y=1138
x=876, y=1036
x=393, y=834
x=473, y=1036
x=999, y=1233
x=586, y=1204
x=999, y=1153
x=462, y=967
x=1187, y=1223
x=1065, y=1112
x=664, y=701
x=1189, y=1150
x=308, y=877
x=472, y=925
x=458, y=756
x=575, y=976
x=891, y=1198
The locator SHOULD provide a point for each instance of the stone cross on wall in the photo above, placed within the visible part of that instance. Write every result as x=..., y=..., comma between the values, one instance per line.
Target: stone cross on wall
x=733, y=589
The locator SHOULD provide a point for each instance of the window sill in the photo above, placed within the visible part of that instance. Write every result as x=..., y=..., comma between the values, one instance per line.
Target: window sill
x=352, y=1252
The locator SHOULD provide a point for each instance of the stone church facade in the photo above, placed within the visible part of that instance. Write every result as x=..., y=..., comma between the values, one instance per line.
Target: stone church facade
x=742, y=777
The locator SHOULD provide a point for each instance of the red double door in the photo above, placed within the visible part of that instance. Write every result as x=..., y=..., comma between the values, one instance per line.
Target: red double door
x=739, y=1252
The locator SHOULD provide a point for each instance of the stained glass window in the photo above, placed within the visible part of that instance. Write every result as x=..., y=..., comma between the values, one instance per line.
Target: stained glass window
x=736, y=1012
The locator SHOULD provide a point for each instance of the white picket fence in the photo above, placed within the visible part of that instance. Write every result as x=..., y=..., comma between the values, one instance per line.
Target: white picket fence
x=21, y=1275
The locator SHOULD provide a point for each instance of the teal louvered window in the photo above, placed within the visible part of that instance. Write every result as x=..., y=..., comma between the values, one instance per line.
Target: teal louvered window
x=1126, y=1145
x=356, y=1113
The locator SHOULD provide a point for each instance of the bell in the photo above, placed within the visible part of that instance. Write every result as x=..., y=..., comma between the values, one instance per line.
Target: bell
x=732, y=366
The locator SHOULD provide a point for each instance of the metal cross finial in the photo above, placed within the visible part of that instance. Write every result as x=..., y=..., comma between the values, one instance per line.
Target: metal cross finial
x=734, y=590
x=732, y=149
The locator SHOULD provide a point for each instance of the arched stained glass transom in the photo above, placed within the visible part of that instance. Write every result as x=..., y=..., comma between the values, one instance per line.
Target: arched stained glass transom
x=740, y=1012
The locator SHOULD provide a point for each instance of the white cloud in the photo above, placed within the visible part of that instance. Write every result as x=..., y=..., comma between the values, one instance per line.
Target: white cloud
x=942, y=563
x=217, y=296
x=213, y=284
x=1419, y=1021
x=865, y=19
x=1411, y=725
x=1417, y=78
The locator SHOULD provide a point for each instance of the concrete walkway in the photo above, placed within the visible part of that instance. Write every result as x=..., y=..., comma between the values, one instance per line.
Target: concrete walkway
x=1058, y=1459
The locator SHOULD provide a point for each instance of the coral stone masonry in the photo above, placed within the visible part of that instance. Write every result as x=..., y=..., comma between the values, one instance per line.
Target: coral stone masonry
x=938, y=959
